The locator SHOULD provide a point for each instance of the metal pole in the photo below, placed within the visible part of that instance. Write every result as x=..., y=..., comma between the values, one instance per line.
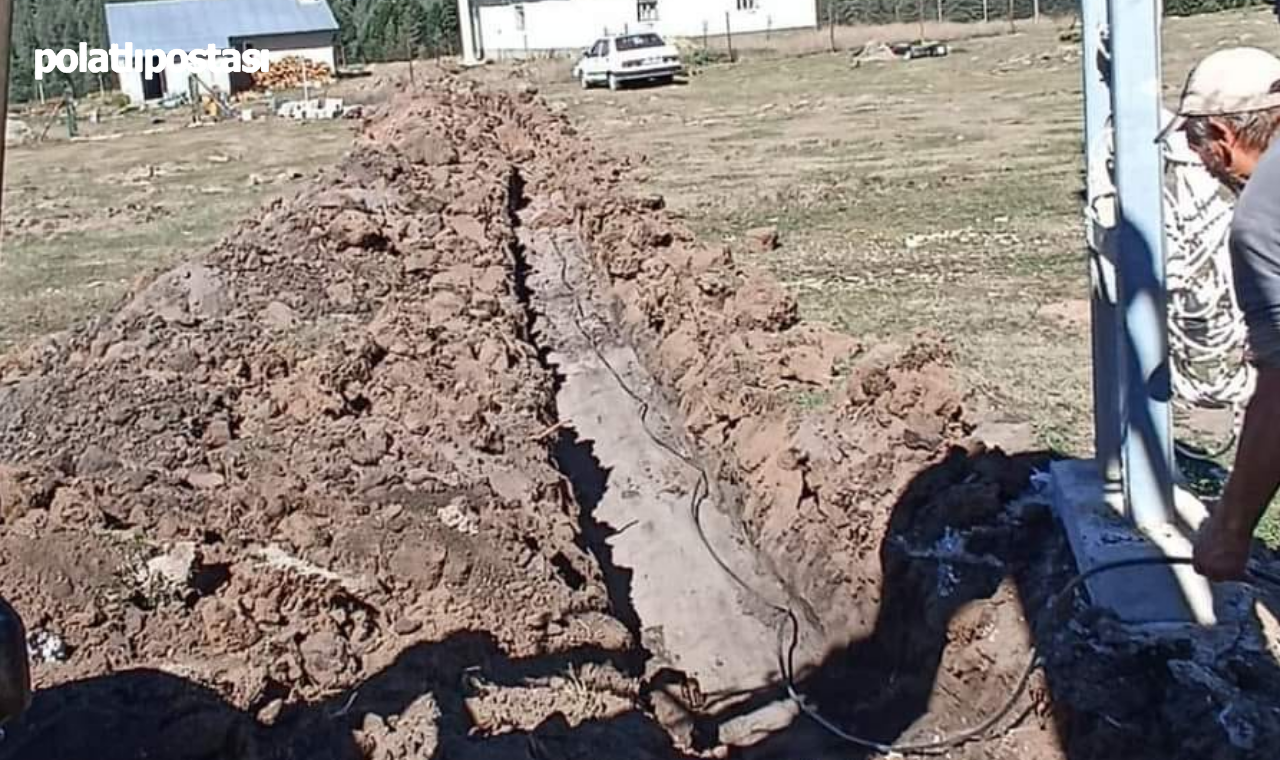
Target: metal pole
x=6, y=37
x=1148, y=441
x=1101, y=220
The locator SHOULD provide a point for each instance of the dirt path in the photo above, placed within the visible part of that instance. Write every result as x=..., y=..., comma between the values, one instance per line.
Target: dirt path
x=690, y=614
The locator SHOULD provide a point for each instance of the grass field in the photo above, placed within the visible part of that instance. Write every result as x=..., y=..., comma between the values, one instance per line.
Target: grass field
x=935, y=195
x=83, y=219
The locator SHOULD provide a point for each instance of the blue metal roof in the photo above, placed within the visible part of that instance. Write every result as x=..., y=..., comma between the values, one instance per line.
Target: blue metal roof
x=192, y=24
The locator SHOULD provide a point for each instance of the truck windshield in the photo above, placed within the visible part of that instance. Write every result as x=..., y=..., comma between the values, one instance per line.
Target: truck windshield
x=638, y=41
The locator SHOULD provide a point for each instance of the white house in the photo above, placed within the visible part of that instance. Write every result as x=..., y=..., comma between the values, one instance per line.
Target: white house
x=515, y=28
x=304, y=28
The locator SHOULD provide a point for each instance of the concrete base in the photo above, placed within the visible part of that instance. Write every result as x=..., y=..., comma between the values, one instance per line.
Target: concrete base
x=1146, y=596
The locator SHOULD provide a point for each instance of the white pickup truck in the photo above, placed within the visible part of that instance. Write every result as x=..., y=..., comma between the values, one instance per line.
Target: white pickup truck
x=628, y=58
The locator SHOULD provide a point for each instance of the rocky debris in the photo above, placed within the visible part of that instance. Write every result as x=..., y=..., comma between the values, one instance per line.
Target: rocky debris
x=46, y=647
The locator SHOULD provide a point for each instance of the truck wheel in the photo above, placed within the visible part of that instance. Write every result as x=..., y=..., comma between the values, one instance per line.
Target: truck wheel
x=615, y=84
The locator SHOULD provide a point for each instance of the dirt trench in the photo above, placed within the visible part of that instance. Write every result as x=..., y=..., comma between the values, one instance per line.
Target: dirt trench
x=354, y=485
x=685, y=574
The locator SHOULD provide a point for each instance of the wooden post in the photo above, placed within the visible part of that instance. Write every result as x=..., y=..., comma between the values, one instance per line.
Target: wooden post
x=986, y=11
x=706, y=33
x=939, y=11
x=920, y=17
x=193, y=94
x=728, y=36
x=1035, y=13
x=1013, y=25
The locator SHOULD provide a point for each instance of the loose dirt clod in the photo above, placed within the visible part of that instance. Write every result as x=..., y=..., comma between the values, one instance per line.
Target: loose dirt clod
x=305, y=497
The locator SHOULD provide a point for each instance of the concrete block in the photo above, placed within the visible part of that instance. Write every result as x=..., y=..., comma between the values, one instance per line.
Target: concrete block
x=1155, y=596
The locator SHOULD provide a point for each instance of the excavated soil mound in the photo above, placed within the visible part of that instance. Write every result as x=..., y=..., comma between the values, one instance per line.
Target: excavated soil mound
x=276, y=469
x=299, y=498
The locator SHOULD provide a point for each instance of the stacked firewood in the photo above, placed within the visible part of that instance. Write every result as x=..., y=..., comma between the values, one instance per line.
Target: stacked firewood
x=291, y=73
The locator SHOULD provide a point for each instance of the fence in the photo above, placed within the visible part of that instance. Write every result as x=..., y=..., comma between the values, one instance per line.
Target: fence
x=847, y=12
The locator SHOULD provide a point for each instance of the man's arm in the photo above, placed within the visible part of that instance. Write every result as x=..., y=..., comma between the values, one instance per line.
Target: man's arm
x=1222, y=550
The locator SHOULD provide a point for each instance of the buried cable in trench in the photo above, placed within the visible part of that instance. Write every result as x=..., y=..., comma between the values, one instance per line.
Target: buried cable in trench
x=787, y=625
x=576, y=459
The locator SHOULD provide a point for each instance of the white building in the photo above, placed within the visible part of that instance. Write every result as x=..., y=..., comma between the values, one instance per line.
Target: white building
x=515, y=28
x=303, y=28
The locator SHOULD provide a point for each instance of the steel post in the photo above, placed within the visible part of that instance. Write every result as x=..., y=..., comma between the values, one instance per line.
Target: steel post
x=1101, y=220
x=1147, y=448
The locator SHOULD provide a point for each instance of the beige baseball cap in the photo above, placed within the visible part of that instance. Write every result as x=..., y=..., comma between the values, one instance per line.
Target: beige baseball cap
x=1236, y=80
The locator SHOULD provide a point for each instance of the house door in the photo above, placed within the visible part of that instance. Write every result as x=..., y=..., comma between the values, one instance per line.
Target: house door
x=154, y=87
x=240, y=81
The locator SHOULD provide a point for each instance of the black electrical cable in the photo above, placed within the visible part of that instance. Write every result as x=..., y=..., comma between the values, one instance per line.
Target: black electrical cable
x=789, y=623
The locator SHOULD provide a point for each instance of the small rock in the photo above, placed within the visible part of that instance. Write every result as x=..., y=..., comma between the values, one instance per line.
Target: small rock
x=268, y=715
x=205, y=480
x=324, y=655
x=279, y=316
x=341, y=293
x=764, y=239
x=407, y=626
x=95, y=459
x=176, y=567
x=419, y=262
x=369, y=448
x=301, y=530
x=354, y=229
x=217, y=434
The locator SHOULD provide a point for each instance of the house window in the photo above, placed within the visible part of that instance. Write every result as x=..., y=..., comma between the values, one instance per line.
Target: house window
x=520, y=18
x=747, y=5
x=646, y=10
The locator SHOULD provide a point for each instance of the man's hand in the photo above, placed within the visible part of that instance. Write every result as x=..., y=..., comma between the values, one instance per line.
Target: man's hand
x=1222, y=548
x=1222, y=551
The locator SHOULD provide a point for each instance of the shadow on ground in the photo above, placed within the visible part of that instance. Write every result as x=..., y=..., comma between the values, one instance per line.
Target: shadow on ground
x=1118, y=695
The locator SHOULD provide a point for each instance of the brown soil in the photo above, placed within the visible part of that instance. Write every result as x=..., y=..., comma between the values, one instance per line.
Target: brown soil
x=300, y=498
